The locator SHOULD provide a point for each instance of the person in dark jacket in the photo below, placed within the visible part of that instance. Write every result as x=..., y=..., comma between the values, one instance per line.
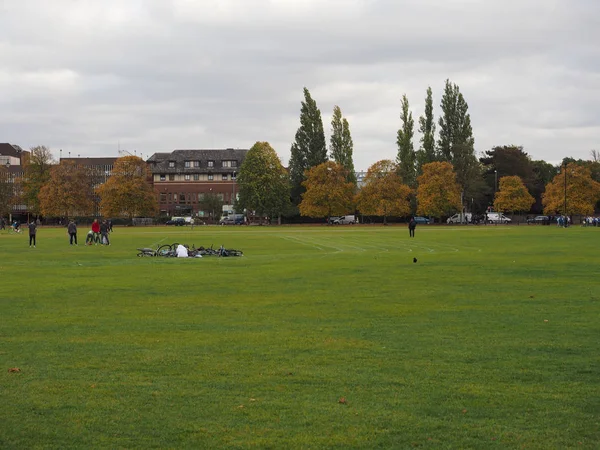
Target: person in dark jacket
x=72, y=229
x=411, y=227
x=104, y=233
x=32, y=233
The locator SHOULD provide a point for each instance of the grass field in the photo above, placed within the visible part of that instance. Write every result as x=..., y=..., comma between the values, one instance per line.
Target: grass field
x=318, y=337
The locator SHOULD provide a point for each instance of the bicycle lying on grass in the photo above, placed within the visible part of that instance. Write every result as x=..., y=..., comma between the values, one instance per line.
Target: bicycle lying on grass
x=170, y=251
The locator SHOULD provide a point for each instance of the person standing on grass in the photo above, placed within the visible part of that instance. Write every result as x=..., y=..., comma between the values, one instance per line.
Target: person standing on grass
x=411, y=227
x=32, y=233
x=96, y=230
x=72, y=229
x=104, y=233
x=109, y=223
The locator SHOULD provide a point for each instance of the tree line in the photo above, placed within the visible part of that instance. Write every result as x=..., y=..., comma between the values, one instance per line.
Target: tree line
x=442, y=176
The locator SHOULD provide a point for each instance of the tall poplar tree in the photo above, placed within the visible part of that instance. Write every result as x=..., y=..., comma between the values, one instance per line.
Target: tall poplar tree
x=309, y=148
x=406, y=158
x=456, y=143
x=341, y=146
x=427, y=153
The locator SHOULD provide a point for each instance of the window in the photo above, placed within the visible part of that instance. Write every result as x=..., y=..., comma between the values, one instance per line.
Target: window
x=175, y=198
x=229, y=163
x=211, y=164
x=224, y=177
x=187, y=177
x=181, y=198
x=171, y=177
x=196, y=163
x=233, y=163
x=220, y=197
x=163, y=198
x=200, y=196
x=211, y=177
x=163, y=177
x=187, y=164
x=196, y=177
x=171, y=163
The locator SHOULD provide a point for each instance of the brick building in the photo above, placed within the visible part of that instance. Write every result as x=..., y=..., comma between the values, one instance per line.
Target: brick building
x=183, y=178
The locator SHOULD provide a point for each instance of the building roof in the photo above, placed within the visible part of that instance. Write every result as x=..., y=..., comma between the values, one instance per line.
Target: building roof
x=7, y=149
x=160, y=161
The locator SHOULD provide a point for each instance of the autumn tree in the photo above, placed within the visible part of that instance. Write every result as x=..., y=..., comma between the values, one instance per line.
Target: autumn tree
x=456, y=143
x=427, y=152
x=128, y=193
x=406, y=158
x=327, y=191
x=513, y=195
x=309, y=148
x=581, y=195
x=438, y=193
x=263, y=182
x=36, y=172
x=383, y=193
x=67, y=193
x=341, y=145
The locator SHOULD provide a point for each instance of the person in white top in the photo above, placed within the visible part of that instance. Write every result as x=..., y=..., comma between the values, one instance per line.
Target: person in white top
x=182, y=251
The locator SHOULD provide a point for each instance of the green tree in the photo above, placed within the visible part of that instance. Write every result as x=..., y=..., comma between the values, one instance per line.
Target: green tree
x=6, y=192
x=406, y=158
x=438, y=193
x=384, y=194
x=341, y=146
x=212, y=203
x=67, y=193
x=456, y=143
x=427, y=152
x=128, y=193
x=309, y=148
x=513, y=196
x=263, y=182
x=327, y=191
x=36, y=170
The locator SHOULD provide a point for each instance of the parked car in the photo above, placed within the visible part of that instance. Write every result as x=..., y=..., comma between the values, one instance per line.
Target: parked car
x=460, y=218
x=422, y=220
x=495, y=217
x=343, y=220
x=235, y=219
x=177, y=221
x=543, y=220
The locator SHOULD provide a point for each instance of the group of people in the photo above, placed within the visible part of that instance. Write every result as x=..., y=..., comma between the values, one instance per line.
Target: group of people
x=98, y=234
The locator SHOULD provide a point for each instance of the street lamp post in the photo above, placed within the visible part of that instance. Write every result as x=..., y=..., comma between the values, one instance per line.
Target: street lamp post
x=233, y=192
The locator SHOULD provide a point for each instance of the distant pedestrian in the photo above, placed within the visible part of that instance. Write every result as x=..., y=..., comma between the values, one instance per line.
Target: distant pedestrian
x=96, y=230
x=411, y=227
x=109, y=225
x=32, y=233
x=89, y=239
x=2, y=223
x=104, y=233
x=72, y=229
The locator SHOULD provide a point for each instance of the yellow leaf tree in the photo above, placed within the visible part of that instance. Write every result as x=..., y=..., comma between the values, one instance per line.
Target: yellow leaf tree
x=128, y=193
x=438, y=193
x=68, y=192
x=582, y=192
x=327, y=191
x=383, y=193
x=513, y=196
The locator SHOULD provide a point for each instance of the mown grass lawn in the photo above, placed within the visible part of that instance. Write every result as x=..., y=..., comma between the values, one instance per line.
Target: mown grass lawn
x=318, y=337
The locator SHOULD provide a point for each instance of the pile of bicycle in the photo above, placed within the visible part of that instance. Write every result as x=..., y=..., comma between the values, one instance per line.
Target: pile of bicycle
x=177, y=250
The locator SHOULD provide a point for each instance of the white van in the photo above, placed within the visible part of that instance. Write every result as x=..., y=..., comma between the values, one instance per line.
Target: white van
x=344, y=220
x=460, y=218
x=495, y=217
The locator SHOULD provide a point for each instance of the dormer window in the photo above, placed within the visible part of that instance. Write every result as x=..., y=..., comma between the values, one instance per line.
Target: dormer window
x=171, y=164
x=187, y=164
x=211, y=164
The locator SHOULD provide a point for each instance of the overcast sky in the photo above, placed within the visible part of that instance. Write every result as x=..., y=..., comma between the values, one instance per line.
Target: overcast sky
x=86, y=76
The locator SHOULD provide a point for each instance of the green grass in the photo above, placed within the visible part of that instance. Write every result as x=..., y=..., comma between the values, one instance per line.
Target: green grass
x=490, y=341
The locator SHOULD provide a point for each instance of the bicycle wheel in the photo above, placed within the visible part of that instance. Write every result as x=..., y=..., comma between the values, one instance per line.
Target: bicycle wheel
x=164, y=250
